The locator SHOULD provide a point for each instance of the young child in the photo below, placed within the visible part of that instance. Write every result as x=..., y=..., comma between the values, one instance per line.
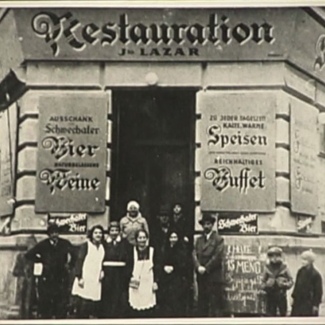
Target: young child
x=276, y=281
x=308, y=290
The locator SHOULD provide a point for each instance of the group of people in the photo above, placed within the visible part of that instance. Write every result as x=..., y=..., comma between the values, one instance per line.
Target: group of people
x=137, y=272
x=126, y=274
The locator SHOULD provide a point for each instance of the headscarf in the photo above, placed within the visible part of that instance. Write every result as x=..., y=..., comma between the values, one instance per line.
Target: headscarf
x=309, y=256
x=134, y=204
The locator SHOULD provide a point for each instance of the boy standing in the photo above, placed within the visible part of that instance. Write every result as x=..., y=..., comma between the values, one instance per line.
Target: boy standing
x=308, y=290
x=276, y=281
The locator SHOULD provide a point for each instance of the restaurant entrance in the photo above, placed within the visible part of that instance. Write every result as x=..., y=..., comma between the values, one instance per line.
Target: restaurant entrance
x=153, y=151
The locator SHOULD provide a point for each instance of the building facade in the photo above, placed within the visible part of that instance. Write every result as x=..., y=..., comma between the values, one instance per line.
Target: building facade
x=221, y=110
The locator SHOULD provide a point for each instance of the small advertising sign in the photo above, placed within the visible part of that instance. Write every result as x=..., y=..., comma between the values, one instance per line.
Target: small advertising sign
x=238, y=223
x=304, y=224
x=72, y=224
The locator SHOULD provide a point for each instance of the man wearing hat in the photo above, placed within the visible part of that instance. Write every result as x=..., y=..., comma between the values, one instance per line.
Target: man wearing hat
x=308, y=291
x=160, y=229
x=275, y=282
x=208, y=257
x=54, y=257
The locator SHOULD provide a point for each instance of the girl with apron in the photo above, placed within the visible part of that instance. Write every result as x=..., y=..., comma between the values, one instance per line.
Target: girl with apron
x=87, y=285
x=143, y=285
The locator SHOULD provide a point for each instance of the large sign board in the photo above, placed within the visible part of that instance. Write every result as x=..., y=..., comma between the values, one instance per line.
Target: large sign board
x=146, y=34
x=237, y=135
x=303, y=157
x=71, y=159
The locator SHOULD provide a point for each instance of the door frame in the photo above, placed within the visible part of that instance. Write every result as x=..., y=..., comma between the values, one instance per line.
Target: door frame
x=115, y=148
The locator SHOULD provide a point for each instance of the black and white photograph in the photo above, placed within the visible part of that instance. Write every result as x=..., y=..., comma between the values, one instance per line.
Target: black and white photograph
x=162, y=162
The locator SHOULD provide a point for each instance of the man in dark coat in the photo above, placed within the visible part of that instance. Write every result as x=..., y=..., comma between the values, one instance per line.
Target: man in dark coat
x=160, y=230
x=57, y=257
x=208, y=255
x=308, y=290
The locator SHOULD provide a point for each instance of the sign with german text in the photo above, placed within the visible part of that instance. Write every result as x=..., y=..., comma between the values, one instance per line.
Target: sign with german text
x=244, y=267
x=237, y=136
x=147, y=34
x=303, y=157
x=71, y=159
x=237, y=223
x=72, y=224
x=304, y=224
x=166, y=34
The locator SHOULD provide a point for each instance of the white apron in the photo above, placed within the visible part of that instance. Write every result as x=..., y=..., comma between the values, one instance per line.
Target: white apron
x=91, y=271
x=144, y=297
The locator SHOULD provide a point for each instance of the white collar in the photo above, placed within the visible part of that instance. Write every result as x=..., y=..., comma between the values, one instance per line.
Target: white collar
x=109, y=239
x=209, y=235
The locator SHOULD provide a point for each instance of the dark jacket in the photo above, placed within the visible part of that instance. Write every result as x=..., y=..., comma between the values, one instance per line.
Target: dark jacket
x=173, y=286
x=210, y=255
x=177, y=258
x=181, y=226
x=308, y=291
x=55, y=258
x=116, y=252
x=158, y=238
x=276, y=277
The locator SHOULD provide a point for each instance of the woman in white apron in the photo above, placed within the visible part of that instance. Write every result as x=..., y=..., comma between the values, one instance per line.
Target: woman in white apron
x=87, y=285
x=143, y=277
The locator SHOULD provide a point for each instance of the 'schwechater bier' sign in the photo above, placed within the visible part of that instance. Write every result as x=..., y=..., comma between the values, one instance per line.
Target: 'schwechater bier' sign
x=71, y=170
x=303, y=158
x=238, y=223
x=237, y=135
x=72, y=224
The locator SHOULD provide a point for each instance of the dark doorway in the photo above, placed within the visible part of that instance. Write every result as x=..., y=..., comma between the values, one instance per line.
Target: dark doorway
x=153, y=151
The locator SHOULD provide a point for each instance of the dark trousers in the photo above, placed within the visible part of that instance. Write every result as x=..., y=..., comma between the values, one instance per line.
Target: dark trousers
x=276, y=302
x=53, y=296
x=88, y=309
x=210, y=297
x=114, y=294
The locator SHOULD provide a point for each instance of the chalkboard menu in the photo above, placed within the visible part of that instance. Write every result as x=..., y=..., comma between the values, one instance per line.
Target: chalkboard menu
x=244, y=270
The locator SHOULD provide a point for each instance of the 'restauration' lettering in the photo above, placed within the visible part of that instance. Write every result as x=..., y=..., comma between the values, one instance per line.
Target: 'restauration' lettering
x=216, y=31
x=222, y=178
